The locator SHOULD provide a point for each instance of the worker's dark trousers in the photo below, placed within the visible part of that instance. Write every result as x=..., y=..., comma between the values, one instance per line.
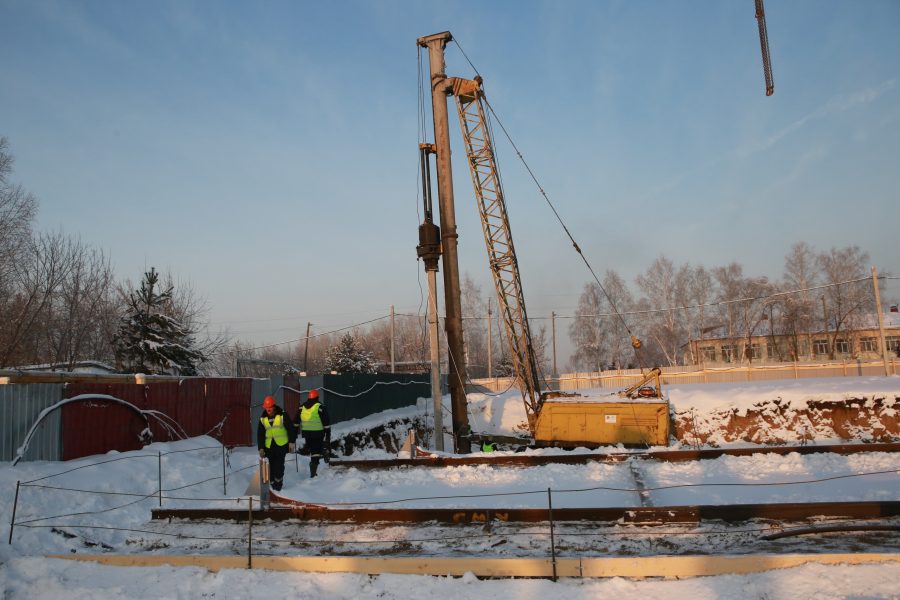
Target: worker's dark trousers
x=314, y=445
x=276, y=455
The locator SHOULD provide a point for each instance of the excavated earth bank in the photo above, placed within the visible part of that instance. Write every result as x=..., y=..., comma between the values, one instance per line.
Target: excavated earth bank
x=775, y=422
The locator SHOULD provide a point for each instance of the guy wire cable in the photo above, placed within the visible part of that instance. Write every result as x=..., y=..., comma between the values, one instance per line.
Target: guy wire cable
x=547, y=199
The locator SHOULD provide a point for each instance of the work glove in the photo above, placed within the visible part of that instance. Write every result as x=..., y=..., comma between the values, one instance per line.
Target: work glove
x=292, y=448
x=262, y=453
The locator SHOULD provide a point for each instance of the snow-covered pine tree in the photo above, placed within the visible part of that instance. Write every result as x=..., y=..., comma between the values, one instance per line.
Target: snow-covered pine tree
x=347, y=356
x=151, y=341
x=505, y=367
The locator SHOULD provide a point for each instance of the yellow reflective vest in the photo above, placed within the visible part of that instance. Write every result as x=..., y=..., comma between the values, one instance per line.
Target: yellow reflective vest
x=275, y=430
x=310, y=419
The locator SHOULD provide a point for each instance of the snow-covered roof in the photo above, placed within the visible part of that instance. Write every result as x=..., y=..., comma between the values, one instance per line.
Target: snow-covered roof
x=82, y=366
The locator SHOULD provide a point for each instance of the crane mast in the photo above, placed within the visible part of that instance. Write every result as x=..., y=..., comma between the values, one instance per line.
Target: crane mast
x=498, y=240
x=456, y=376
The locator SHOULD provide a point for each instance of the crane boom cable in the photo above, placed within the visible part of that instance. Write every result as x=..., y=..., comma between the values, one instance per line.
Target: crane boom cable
x=547, y=198
x=490, y=127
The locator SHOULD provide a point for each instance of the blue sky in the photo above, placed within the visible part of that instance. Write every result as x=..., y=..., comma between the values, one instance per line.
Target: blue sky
x=267, y=152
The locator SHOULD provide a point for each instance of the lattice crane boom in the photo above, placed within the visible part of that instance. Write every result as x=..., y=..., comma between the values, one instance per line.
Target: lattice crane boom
x=498, y=238
x=764, y=46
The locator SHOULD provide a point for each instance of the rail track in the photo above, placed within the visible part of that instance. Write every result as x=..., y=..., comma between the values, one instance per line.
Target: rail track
x=289, y=527
x=283, y=508
x=615, y=457
x=820, y=528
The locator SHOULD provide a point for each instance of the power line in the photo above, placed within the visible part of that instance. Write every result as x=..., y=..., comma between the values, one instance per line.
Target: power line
x=693, y=306
x=547, y=198
x=302, y=338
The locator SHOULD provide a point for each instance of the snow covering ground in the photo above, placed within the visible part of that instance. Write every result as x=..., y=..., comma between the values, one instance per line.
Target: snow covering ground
x=102, y=504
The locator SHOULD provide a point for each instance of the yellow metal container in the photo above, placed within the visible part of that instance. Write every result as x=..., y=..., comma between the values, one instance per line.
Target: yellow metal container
x=566, y=422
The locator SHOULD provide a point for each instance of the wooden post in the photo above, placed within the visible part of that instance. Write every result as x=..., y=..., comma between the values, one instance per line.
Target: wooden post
x=553, y=322
x=552, y=541
x=489, y=344
x=224, y=480
x=306, y=348
x=12, y=522
x=250, y=535
x=880, y=320
x=392, y=338
x=159, y=468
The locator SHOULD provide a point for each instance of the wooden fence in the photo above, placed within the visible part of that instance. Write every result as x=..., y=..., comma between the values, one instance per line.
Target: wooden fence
x=694, y=374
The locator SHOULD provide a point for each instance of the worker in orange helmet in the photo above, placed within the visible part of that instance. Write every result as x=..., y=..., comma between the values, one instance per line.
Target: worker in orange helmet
x=275, y=437
x=315, y=425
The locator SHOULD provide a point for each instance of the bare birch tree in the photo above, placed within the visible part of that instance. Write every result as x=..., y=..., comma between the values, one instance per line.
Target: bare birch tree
x=17, y=211
x=666, y=290
x=474, y=312
x=796, y=312
x=586, y=331
x=83, y=311
x=844, y=302
x=36, y=277
x=700, y=292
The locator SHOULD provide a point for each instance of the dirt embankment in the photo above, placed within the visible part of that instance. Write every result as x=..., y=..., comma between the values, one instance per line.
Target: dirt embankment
x=775, y=422
x=387, y=436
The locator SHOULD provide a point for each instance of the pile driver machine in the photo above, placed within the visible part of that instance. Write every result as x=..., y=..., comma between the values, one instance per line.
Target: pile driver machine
x=638, y=415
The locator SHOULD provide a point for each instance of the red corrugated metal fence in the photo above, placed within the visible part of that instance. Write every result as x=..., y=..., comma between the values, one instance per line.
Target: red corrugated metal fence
x=216, y=407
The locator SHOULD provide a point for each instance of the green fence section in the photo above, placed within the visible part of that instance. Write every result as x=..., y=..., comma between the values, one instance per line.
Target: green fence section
x=353, y=396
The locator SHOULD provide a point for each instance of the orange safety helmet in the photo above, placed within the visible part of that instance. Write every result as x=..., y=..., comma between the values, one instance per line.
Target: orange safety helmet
x=269, y=402
x=313, y=394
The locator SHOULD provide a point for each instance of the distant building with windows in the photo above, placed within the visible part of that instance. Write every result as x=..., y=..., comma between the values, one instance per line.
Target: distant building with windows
x=716, y=348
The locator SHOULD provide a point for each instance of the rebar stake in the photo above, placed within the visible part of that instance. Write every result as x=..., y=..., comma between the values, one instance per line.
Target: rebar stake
x=552, y=541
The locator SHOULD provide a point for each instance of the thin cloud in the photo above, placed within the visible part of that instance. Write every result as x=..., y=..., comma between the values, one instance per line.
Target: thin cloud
x=835, y=105
x=71, y=19
x=803, y=164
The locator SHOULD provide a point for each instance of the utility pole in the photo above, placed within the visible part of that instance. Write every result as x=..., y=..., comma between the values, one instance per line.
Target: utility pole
x=553, y=329
x=392, y=338
x=884, y=356
x=490, y=349
x=306, y=349
x=440, y=89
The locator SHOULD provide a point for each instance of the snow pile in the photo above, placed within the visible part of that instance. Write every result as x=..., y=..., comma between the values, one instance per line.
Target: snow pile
x=116, y=490
x=41, y=578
